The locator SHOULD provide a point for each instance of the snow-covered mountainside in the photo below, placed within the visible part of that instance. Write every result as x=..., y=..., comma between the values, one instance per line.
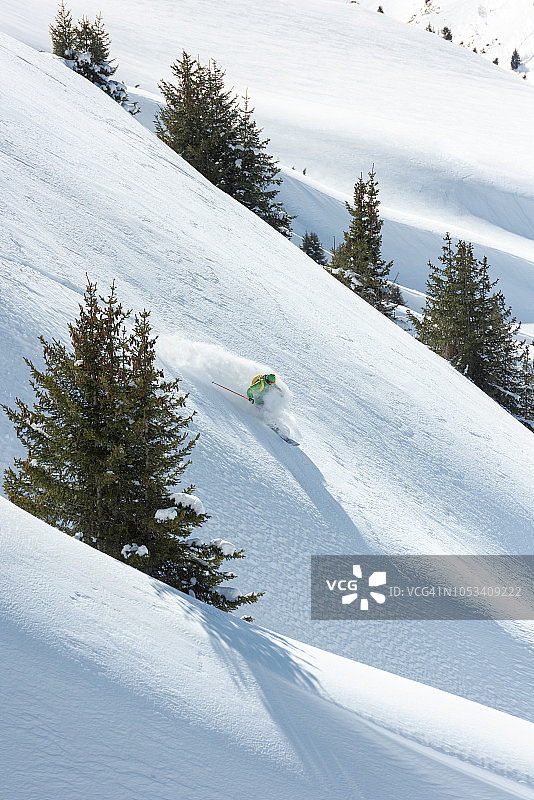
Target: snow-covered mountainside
x=337, y=88
x=399, y=452
x=115, y=685
x=494, y=28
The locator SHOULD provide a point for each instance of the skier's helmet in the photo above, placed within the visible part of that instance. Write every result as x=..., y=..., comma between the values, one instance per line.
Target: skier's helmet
x=270, y=378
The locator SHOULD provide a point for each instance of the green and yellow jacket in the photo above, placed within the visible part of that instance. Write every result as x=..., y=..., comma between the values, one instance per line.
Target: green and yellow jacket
x=259, y=388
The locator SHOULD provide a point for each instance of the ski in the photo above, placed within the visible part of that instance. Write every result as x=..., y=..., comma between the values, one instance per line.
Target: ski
x=283, y=436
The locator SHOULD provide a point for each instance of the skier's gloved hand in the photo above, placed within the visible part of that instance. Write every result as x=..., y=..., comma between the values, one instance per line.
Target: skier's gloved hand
x=250, y=399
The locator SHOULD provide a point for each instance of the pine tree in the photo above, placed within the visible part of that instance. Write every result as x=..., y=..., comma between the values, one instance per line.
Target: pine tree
x=86, y=50
x=358, y=262
x=257, y=173
x=447, y=34
x=502, y=377
x=526, y=392
x=515, y=62
x=92, y=60
x=178, y=123
x=158, y=448
x=199, y=120
x=63, y=34
x=313, y=247
x=468, y=323
x=435, y=328
x=70, y=433
x=84, y=36
x=395, y=293
x=107, y=444
x=204, y=123
x=219, y=118
x=100, y=45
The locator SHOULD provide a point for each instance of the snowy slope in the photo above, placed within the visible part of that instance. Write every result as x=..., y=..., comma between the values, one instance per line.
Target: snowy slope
x=117, y=686
x=409, y=247
x=399, y=452
x=338, y=88
x=495, y=28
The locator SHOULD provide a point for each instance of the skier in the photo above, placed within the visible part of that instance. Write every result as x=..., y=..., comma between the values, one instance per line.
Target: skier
x=259, y=388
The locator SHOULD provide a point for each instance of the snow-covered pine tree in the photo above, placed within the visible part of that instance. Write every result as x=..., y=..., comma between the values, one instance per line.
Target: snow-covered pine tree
x=358, y=261
x=313, y=247
x=515, y=62
x=86, y=50
x=447, y=34
x=107, y=444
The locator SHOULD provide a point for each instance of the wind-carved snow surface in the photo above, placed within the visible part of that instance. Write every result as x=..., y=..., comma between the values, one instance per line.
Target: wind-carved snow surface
x=205, y=363
x=117, y=686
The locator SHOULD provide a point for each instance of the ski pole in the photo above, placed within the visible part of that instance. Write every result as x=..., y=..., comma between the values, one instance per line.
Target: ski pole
x=230, y=390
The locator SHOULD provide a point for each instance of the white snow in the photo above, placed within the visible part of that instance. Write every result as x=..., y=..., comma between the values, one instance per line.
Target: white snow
x=338, y=88
x=187, y=501
x=166, y=514
x=494, y=27
x=227, y=547
x=228, y=592
x=229, y=372
x=134, y=549
x=99, y=659
x=399, y=453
